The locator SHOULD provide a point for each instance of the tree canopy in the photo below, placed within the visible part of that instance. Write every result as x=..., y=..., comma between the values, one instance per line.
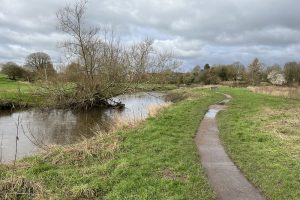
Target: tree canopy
x=13, y=71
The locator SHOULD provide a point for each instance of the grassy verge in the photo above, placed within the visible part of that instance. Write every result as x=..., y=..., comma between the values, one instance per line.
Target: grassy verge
x=261, y=134
x=156, y=160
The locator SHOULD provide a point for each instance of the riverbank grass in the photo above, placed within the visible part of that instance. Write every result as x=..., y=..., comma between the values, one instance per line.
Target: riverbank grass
x=157, y=159
x=261, y=134
x=52, y=95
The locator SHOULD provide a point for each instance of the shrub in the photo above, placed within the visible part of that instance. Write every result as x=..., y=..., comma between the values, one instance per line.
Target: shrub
x=13, y=71
x=276, y=78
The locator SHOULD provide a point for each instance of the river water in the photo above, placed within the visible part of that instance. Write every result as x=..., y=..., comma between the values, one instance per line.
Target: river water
x=43, y=127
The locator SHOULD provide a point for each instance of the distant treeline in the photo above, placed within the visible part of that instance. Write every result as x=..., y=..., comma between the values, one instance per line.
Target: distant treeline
x=254, y=74
x=38, y=66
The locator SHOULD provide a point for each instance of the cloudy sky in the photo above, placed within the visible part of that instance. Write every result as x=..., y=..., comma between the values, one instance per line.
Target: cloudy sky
x=199, y=31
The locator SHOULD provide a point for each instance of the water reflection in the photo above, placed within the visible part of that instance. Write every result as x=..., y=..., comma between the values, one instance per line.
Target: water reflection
x=211, y=114
x=66, y=126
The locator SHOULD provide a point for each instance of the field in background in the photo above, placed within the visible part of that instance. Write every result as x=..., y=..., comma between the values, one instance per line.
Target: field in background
x=261, y=133
x=16, y=91
x=289, y=92
x=11, y=86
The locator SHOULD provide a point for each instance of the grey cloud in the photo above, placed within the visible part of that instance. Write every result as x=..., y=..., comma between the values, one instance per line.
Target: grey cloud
x=199, y=31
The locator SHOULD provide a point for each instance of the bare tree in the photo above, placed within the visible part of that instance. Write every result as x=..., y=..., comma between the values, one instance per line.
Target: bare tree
x=84, y=43
x=107, y=66
x=255, y=69
x=139, y=58
x=145, y=59
x=292, y=72
x=163, y=61
x=40, y=62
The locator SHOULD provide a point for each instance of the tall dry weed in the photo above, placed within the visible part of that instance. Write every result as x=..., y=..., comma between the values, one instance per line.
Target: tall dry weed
x=154, y=109
x=21, y=188
x=289, y=92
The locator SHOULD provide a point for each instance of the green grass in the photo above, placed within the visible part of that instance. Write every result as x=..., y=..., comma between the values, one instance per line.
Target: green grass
x=12, y=86
x=261, y=134
x=15, y=91
x=156, y=160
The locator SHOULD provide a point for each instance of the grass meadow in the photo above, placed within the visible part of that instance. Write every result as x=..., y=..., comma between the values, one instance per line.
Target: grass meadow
x=261, y=134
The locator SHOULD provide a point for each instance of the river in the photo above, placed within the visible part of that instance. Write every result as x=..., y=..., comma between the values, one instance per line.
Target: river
x=56, y=126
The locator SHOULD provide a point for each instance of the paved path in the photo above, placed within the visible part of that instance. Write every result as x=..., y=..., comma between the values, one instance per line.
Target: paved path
x=225, y=178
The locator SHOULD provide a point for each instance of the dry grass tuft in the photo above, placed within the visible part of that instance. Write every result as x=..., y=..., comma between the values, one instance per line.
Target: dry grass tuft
x=171, y=175
x=283, y=124
x=20, y=188
x=290, y=92
x=176, y=96
x=186, y=94
x=81, y=192
x=153, y=110
x=101, y=147
x=121, y=124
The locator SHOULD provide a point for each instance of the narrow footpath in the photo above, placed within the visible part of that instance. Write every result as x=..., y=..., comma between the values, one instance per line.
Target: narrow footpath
x=225, y=178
